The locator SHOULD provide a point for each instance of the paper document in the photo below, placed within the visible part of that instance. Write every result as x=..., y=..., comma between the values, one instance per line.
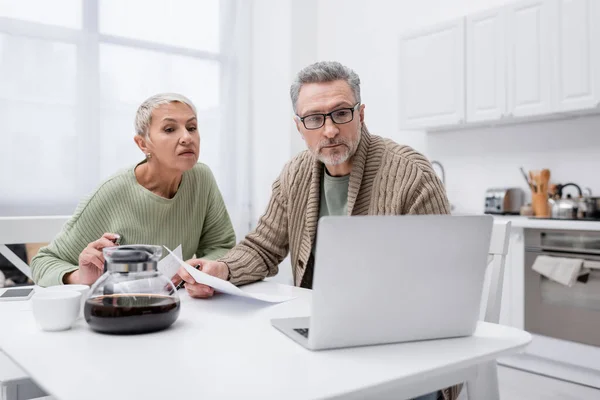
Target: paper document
x=225, y=286
x=169, y=265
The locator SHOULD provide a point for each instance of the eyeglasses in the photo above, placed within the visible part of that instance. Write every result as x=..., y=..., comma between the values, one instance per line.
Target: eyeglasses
x=339, y=116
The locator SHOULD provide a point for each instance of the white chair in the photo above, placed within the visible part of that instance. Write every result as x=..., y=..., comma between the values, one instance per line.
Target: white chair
x=485, y=384
x=15, y=230
x=14, y=382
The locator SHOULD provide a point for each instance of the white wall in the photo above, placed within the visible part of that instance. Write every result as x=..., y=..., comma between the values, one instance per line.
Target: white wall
x=270, y=117
x=290, y=34
x=364, y=35
x=284, y=38
x=478, y=159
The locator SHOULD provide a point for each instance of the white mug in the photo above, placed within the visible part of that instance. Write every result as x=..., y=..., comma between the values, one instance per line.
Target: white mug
x=56, y=310
x=83, y=289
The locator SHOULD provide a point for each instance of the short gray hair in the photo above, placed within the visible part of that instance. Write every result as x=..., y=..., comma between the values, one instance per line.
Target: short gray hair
x=325, y=71
x=143, y=116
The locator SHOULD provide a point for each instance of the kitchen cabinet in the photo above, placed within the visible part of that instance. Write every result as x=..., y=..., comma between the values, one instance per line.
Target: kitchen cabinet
x=577, y=58
x=431, y=76
x=486, y=66
x=529, y=36
x=509, y=61
x=529, y=60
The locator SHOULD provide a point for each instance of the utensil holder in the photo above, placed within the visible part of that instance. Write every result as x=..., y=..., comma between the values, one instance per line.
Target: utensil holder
x=539, y=202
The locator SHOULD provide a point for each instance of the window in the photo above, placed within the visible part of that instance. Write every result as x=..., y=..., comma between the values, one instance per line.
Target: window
x=64, y=13
x=72, y=74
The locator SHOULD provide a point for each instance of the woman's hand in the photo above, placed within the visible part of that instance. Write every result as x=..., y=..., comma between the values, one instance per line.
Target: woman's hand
x=91, y=261
x=199, y=290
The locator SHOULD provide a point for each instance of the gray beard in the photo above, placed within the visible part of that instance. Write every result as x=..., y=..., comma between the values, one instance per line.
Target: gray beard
x=339, y=156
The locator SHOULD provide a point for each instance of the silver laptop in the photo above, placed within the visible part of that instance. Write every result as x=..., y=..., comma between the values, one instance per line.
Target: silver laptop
x=386, y=279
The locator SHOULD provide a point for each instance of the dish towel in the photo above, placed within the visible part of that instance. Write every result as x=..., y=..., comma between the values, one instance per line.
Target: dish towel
x=561, y=270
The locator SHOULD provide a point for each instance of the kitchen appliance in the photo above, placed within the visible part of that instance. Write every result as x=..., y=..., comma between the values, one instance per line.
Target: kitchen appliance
x=564, y=321
x=504, y=200
x=567, y=208
x=590, y=205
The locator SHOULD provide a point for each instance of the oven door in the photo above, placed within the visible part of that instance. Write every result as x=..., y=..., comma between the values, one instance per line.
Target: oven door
x=559, y=311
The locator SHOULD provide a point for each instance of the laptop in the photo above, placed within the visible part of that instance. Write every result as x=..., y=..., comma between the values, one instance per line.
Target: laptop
x=389, y=279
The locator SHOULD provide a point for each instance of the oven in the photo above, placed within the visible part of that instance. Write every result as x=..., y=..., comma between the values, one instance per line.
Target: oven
x=556, y=310
x=564, y=321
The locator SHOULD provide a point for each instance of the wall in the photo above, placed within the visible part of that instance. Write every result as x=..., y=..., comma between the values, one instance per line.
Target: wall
x=270, y=116
x=290, y=34
x=364, y=35
x=284, y=38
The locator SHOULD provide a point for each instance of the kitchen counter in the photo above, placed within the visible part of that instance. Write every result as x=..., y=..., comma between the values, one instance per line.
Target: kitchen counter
x=526, y=222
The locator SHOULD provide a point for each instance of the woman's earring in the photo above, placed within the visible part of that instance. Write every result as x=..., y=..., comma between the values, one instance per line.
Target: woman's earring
x=148, y=156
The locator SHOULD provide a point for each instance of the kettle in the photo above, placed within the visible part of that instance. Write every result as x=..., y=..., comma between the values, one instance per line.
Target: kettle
x=566, y=208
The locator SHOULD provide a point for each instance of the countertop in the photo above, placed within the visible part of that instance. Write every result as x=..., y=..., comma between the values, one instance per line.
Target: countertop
x=527, y=222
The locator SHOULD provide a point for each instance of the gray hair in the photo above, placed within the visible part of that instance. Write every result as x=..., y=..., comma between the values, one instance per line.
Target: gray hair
x=143, y=116
x=325, y=71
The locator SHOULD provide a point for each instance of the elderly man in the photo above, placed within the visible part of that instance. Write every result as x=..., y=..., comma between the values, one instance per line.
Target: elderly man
x=345, y=171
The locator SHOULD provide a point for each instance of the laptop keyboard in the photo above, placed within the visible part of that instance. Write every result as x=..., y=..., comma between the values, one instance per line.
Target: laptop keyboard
x=303, y=332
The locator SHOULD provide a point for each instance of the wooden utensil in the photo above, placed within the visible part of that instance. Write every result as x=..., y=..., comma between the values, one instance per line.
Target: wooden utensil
x=526, y=179
x=545, y=180
x=533, y=182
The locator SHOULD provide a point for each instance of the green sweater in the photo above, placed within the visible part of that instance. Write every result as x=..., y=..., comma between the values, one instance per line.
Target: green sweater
x=195, y=217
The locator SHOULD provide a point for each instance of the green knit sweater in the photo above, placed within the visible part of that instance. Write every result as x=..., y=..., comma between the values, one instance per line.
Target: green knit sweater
x=195, y=217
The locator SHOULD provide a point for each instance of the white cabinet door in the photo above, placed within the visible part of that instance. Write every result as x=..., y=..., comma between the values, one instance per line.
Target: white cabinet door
x=530, y=57
x=577, y=61
x=486, y=66
x=432, y=76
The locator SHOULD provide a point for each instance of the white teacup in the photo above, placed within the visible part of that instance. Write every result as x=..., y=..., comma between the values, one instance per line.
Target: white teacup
x=83, y=289
x=56, y=310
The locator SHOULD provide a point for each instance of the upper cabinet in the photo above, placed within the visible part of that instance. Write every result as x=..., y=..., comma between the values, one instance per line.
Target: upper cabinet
x=529, y=58
x=577, y=58
x=431, y=76
x=486, y=66
x=532, y=58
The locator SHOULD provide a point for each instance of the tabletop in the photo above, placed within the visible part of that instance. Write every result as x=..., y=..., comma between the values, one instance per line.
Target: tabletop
x=225, y=347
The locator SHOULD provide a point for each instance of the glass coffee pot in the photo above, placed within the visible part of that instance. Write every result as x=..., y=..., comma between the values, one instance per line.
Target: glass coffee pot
x=132, y=296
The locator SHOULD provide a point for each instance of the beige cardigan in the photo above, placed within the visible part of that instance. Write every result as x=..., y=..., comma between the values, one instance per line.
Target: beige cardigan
x=386, y=179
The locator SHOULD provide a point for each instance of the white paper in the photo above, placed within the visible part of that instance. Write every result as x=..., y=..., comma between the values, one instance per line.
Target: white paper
x=169, y=265
x=227, y=287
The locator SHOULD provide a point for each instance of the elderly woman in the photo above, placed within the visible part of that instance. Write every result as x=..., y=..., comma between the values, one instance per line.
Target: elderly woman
x=167, y=199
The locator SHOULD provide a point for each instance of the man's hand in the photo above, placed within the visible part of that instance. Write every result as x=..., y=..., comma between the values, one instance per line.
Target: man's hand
x=199, y=290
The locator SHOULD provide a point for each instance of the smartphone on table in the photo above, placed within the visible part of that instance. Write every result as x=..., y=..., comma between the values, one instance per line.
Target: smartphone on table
x=16, y=293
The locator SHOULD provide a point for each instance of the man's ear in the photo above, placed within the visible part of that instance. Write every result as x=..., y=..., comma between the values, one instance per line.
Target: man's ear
x=298, y=126
x=362, y=113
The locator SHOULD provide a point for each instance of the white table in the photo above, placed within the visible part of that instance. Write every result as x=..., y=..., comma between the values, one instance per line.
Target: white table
x=14, y=382
x=225, y=347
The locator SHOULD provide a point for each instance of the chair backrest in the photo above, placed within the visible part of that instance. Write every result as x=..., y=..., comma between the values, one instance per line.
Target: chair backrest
x=494, y=281
x=14, y=230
